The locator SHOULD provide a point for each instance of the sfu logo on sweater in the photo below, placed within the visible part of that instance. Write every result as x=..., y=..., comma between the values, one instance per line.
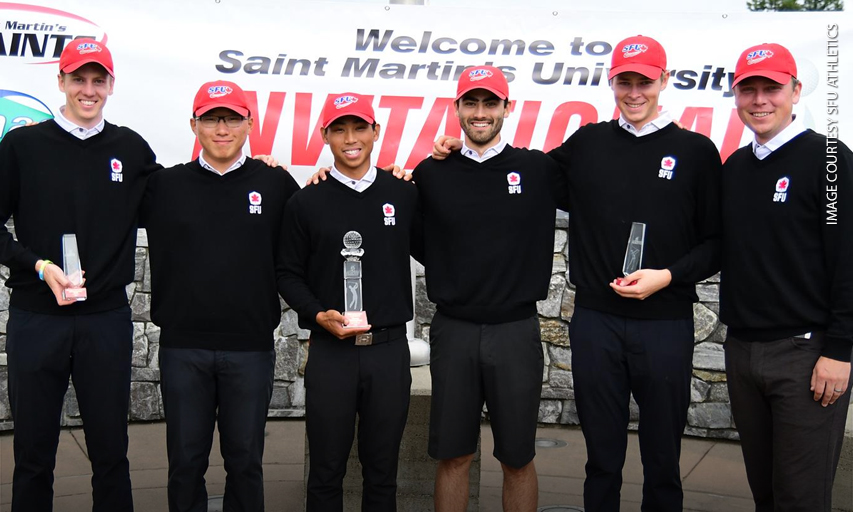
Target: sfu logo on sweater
x=781, y=194
x=667, y=168
x=389, y=212
x=115, y=170
x=255, y=203
x=514, y=180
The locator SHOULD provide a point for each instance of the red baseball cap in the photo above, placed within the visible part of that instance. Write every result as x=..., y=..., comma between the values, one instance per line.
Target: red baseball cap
x=347, y=104
x=769, y=60
x=489, y=78
x=640, y=54
x=220, y=94
x=83, y=51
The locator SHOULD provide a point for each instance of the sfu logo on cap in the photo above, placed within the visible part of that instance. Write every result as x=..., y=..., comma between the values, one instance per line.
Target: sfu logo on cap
x=757, y=56
x=634, y=49
x=218, y=91
x=85, y=48
x=479, y=74
x=345, y=101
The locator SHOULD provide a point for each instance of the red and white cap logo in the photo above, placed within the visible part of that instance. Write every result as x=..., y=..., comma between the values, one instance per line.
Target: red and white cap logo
x=254, y=198
x=513, y=178
x=783, y=184
x=667, y=163
x=388, y=210
x=115, y=165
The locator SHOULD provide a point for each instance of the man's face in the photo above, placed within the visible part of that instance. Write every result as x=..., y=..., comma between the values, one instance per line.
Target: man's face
x=637, y=96
x=86, y=90
x=222, y=134
x=351, y=140
x=481, y=114
x=765, y=106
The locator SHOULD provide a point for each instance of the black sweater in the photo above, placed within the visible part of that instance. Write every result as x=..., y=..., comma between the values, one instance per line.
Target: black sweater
x=213, y=254
x=488, y=246
x=311, y=276
x=786, y=271
x=53, y=183
x=614, y=179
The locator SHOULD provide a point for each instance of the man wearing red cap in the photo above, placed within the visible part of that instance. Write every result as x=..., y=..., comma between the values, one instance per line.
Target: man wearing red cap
x=89, y=183
x=485, y=277
x=632, y=330
x=214, y=229
x=359, y=221
x=787, y=289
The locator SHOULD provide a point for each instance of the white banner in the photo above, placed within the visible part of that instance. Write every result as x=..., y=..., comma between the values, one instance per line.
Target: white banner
x=290, y=55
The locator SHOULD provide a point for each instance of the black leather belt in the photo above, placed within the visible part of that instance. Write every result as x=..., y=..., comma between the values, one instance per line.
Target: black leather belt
x=377, y=336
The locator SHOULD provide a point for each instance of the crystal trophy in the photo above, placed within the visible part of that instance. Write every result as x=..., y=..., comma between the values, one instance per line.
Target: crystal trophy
x=634, y=252
x=353, y=296
x=72, y=268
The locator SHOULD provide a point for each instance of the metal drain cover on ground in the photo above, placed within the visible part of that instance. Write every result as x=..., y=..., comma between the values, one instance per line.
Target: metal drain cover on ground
x=542, y=442
x=559, y=508
x=214, y=504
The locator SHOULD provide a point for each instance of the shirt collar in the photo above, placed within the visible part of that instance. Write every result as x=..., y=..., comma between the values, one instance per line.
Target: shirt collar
x=75, y=129
x=357, y=185
x=652, y=126
x=762, y=151
x=489, y=153
x=236, y=165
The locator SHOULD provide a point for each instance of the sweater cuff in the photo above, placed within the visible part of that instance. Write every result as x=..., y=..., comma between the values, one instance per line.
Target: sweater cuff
x=837, y=348
x=677, y=272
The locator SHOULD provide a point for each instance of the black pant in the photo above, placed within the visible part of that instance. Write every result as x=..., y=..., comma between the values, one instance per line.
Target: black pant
x=95, y=350
x=200, y=388
x=790, y=443
x=342, y=381
x=612, y=357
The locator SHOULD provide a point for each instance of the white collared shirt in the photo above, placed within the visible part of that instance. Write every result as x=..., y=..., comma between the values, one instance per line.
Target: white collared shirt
x=652, y=126
x=762, y=151
x=75, y=129
x=240, y=161
x=357, y=185
x=489, y=153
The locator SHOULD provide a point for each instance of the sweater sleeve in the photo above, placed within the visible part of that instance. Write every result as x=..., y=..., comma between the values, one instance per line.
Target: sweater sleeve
x=12, y=253
x=837, y=236
x=292, y=267
x=703, y=259
x=562, y=155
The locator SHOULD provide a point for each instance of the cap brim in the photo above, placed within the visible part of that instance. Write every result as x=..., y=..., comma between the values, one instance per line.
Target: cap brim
x=77, y=65
x=207, y=108
x=646, y=70
x=780, y=77
x=494, y=91
x=339, y=115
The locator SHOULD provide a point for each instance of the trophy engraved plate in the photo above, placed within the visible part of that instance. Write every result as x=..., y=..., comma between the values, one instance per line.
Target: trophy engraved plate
x=353, y=294
x=634, y=252
x=72, y=268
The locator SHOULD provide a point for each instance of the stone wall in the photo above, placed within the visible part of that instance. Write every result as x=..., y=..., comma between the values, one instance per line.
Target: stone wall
x=709, y=414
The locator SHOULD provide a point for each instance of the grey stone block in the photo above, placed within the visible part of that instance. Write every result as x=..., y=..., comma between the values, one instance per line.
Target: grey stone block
x=152, y=332
x=280, y=397
x=567, y=304
x=144, y=375
x=698, y=390
x=560, y=379
x=560, y=239
x=719, y=393
x=558, y=265
x=550, y=411
x=552, y=393
x=139, y=266
x=141, y=237
x=297, y=393
x=709, y=356
x=550, y=307
x=569, y=416
x=5, y=410
x=562, y=220
x=424, y=309
x=704, y=322
x=560, y=356
x=708, y=292
x=70, y=407
x=139, y=356
x=4, y=318
x=289, y=323
x=146, y=275
x=554, y=331
x=4, y=296
x=140, y=307
x=144, y=401
x=286, y=358
x=710, y=415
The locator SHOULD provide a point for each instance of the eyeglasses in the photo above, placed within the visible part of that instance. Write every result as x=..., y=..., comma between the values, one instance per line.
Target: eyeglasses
x=213, y=121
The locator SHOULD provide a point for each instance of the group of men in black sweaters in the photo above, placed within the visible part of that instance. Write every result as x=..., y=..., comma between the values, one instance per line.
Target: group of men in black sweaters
x=228, y=235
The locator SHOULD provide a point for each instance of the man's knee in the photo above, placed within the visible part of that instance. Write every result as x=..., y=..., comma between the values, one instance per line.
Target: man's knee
x=510, y=471
x=456, y=463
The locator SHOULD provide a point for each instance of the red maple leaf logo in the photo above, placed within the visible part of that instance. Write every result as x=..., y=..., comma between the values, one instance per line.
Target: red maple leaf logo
x=116, y=165
x=783, y=183
x=668, y=162
x=513, y=178
x=388, y=210
x=255, y=198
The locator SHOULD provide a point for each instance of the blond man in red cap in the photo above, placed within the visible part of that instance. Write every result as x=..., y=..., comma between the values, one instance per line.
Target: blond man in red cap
x=635, y=261
x=214, y=230
x=787, y=289
x=89, y=183
x=346, y=273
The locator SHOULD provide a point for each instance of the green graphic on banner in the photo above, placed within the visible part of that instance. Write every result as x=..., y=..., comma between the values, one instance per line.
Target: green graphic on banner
x=14, y=114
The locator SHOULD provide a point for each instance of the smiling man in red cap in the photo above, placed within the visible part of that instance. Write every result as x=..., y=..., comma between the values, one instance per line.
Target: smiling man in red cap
x=632, y=330
x=215, y=236
x=787, y=289
x=359, y=221
x=77, y=174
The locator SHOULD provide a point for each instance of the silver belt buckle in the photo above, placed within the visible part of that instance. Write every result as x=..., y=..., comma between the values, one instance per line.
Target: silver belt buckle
x=364, y=339
x=806, y=336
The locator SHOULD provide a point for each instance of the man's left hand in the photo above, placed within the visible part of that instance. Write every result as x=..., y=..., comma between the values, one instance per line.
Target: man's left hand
x=269, y=160
x=829, y=380
x=642, y=283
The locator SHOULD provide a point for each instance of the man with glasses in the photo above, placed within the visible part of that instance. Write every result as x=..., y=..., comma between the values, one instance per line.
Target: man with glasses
x=214, y=234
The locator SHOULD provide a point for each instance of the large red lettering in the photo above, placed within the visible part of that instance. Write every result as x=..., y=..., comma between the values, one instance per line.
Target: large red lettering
x=526, y=124
x=400, y=106
x=442, y=109
x=734, y=134
x=698, y=119
x=562, y=116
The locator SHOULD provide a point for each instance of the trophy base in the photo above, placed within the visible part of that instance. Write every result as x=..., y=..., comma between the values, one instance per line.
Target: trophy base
x=78, y=294
x=355, y=319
